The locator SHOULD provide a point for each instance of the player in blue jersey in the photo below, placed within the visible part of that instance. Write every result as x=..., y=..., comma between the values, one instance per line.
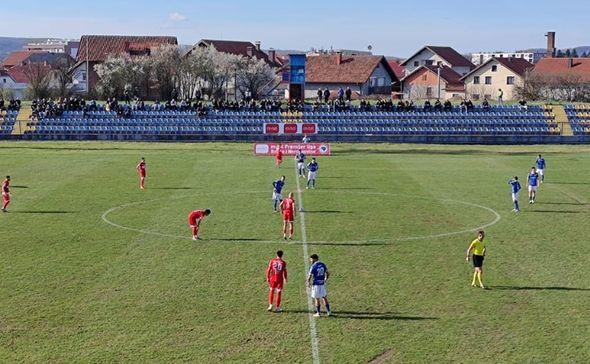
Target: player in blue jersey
x=312, y=167
x=300, y=159
x=541, y=165
x=277, y=188
x=533, y=184
x=316, y=281
x=515, y=187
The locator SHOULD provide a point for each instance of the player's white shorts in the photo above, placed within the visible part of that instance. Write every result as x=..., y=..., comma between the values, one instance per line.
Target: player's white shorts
x=276, y=196
x=318, y=291
x=540, y=172
x=514, y=196
x=311, y=175
x=300, y=166
x=533, y=188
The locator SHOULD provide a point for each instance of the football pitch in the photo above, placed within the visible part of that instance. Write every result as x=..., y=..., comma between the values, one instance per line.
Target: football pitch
x=94, y=270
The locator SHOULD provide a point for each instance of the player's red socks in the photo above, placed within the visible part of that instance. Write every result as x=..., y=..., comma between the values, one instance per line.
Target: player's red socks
x=278, y=299
x=271, y=296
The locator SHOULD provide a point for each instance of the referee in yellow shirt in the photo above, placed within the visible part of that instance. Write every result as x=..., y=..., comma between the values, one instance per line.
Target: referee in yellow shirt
x=478, y=250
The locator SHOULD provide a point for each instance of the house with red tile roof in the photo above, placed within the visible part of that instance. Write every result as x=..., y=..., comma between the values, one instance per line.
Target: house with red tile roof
x=573, y=68
x=365, y=75
x=398, y=69
x=438, y=56
x=505, y=74
x=15, y=58
x=95, y=49
x=7, y=82
x=433, y=82
x=242, y=48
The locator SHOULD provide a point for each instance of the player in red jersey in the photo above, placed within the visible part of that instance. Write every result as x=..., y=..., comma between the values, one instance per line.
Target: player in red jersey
x=5, y=193
x=279, y=157
x=194, y=221
x=142, y=173
x=288, y=209
x=276, y=276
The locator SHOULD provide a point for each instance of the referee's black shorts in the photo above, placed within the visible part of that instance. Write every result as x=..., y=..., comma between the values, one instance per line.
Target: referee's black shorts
x=477, y=261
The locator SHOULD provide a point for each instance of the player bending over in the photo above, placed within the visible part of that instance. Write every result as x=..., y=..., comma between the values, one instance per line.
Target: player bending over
x=142, y=173
x=277, y=197
x=288, y=209
x=316, y=280
x=515, y=187
x=194, y=221
x=541, y=166
x=312, y=167
x=533, y=184
x=276, y=276
x=478, y=248
x=279, y=157
x=5, y=194
x=300, y=159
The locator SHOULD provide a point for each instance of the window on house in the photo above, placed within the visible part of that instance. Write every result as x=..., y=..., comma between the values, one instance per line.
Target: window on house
x=416, y=63
x=381, y=81
x=439, y=63
x=494, y=68
x=510, y=80
x=488, y=80
x=476, y=80
x=429, y=62
x=487, y=96
x=83, y=74
x=475, y=96
x=373, y=82
x=424, y=77
x=429, y=92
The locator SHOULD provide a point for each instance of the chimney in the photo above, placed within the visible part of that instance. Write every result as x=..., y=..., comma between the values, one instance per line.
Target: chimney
x=257, y=43
x=570, y=63
x=338, y=58
x=272, y=55
x=250, y=51
x=550, y=44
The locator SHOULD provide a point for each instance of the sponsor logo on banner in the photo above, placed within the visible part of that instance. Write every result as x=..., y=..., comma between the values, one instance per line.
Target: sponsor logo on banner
x=315, y=149
x=290, y=128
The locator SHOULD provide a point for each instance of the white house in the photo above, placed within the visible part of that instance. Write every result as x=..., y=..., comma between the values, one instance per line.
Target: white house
x=438, y=56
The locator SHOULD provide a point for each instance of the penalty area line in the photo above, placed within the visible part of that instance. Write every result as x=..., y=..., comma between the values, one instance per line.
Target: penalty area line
x=315, y=350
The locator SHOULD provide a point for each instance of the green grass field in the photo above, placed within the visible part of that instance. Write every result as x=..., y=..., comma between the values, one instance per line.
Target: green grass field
x=392, y=222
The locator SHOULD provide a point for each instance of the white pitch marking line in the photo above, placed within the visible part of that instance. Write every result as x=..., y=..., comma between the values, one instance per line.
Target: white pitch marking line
x=315, y=347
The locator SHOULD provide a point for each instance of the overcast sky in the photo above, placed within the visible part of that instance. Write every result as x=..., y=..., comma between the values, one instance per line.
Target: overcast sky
x=392, y=27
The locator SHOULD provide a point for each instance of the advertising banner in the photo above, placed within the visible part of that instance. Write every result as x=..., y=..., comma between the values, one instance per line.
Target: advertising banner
x=314, y=149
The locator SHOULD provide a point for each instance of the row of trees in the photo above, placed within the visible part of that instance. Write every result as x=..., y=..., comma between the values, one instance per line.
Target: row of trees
x=555, y=87
x=167, y=73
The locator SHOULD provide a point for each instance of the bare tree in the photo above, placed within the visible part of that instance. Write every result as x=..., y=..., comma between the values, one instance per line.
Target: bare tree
x=62, y=77
x=38, y=76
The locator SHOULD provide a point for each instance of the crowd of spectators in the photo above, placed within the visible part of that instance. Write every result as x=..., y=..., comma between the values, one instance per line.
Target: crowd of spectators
x=10, y=105
x=42, y=108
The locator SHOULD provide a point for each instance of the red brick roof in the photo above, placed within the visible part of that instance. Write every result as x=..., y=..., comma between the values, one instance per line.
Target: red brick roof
x=239, y=48
x=18, y=73
x=448, y=54
x=16, y=58
x=352, y=69
x=98, y=47
x=397, y=68
x=580, y=67
x=447, y=74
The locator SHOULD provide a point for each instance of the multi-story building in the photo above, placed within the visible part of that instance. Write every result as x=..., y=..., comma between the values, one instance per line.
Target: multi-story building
x=483, y=57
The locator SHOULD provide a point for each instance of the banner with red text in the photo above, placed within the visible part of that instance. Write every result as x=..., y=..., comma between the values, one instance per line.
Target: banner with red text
x=316, y=149
x=290, y=128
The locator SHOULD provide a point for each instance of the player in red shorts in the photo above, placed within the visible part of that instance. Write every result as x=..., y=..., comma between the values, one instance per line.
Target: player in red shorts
x=288, y=209
x=194, y=221
x=276, y=276
x=5, y=193
x=279, y=157
x=142, y=173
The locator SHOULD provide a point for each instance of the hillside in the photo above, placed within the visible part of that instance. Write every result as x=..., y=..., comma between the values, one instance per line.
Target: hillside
x=9, y=44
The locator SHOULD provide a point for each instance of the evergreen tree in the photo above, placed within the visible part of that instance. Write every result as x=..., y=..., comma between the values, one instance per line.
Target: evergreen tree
x=559, y=54
x=574, y=53
x=568, y=53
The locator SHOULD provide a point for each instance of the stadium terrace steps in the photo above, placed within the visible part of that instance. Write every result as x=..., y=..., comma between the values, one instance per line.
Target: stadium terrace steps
x=21, y=124
x=7, y=122
x=562, y=120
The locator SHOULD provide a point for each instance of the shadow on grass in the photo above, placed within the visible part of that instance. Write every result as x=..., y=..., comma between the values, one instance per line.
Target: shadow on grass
x=43, y=212
x=530, y=288
x=557, y=212
x=337, y=177
x=327, y=212
x=235, y=239
x=172, y=188
x=17, y=186
x=347, y=188
x=348, y=244
x=563, y=203
x=364, y=315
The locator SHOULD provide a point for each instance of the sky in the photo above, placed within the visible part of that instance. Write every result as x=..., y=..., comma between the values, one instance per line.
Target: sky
x=392, y=28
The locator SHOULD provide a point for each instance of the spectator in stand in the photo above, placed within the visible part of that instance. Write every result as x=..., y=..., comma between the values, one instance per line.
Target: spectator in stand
x=448, y=106
x=326, y=95
x=463, y=105
x=437, y=105
x=320, y=95
x=427, y=105
x=523, y=105
x=500, y=97
x=348, y=94
x=469, y=105
x=485, y=104
x=341, y=94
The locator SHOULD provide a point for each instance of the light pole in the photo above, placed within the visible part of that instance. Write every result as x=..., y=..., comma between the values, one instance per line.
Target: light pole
x=438, y=73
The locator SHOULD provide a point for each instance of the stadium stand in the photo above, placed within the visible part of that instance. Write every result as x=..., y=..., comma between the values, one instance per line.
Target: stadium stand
x=500, y=120
x=579, y=117
x=7, y=120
